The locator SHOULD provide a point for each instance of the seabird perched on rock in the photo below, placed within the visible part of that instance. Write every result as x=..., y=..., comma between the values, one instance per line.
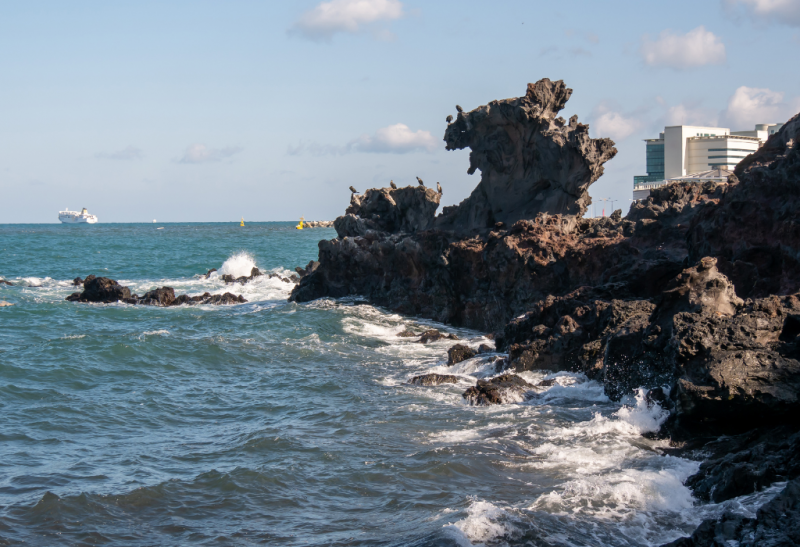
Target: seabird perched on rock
x=419, y=180
x=353, y=190
x=393, y=185
x=438, y=187
x=449, y=118
x=459, y=108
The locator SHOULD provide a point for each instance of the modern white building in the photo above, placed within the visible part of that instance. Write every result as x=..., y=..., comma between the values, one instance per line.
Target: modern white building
x=684, y=150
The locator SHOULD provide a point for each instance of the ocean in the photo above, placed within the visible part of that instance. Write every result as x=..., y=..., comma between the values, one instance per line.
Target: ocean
x=274, y=423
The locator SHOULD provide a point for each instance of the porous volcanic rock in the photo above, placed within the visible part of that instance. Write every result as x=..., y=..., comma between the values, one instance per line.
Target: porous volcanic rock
x=100, y=289
x=754, y=230
x=105, y=290
x=406, y=210
x=530, y=160
x=433, y=379
x=503, y=389
x=459, y=353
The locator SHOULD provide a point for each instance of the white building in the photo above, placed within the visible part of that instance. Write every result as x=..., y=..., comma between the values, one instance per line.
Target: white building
x=684, y=150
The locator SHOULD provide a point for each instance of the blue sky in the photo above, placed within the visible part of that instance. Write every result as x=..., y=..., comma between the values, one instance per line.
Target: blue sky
x=210, y=111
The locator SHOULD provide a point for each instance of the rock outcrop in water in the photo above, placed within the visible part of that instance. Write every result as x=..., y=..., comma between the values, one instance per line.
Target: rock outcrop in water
x=106, y=291
x=695, y=290
x=408, y=209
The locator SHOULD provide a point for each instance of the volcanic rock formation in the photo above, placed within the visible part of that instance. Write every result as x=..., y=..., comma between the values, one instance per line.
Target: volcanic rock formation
x=530, y=161
x=107, y=291
x=695, y=290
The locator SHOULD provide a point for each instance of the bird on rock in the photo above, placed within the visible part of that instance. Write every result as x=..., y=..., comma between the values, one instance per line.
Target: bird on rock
x=459, y=108
x=393, y=185
x=438, y=187
x=419, y=180
x=449, y=118
x=353, y=190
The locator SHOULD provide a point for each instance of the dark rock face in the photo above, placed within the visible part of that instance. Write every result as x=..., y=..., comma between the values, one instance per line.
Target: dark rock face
x=310, y=267
x=503, y=389
x=77, y=282
x=748, y=462
x=531, y=162
x=4, y=282
x=408, y=210
x=105, y=290
x=777, y=524
x=459, y=353
x=100, y=289
x=755, y=228
x=433, y=379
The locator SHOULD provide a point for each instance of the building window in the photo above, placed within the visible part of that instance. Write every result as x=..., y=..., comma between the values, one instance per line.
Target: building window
x=726, y=157
x=730, y=150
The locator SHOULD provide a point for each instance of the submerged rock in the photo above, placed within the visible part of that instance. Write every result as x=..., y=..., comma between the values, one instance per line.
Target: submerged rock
x=229, y=279
x=4, y=304
x=434, y=335
x=503, y=389
x=433, y=379
x=459, y=353
x=4, y=282
x=77, y=282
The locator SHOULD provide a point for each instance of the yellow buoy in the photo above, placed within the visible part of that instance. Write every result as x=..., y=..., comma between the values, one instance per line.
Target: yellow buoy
x=242, y=224
x=300, y=226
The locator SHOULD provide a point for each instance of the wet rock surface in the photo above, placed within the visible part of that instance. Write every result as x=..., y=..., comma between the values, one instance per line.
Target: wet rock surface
x=107, y=291
x=433, y=335
x=433, y=379
x=777, y=524
x=459, y=353
x=503, y=389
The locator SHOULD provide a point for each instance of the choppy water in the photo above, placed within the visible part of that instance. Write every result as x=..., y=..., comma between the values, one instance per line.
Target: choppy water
x=283, y=424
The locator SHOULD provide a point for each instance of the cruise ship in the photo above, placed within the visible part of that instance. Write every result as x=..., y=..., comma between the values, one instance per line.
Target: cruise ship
x=74, y=217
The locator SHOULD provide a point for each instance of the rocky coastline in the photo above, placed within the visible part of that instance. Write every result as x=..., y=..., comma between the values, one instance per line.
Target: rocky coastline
x=693, y=296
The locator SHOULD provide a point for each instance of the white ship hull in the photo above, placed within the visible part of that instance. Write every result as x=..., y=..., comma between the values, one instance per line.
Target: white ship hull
x=74, y=217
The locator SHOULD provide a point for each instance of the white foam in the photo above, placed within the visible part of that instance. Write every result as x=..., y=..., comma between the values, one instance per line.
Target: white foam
x=238, y=265
x=160, y=332
x=482, y=524
x=642, y=418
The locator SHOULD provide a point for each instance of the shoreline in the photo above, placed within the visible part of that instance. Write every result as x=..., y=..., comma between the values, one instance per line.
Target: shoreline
x=696, y=290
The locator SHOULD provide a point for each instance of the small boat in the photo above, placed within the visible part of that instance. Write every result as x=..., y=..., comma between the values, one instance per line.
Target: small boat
x=74, y=217
x=300, y=226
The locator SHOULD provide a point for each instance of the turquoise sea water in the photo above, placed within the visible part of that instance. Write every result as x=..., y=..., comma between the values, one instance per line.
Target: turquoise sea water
x=272, y=423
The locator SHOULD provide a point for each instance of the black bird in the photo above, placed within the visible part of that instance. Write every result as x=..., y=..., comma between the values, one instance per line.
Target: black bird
x=449, y=118
x=438, y=187
x=419, y=180
x=393, y=185
x=353, y=190
x=459, y=108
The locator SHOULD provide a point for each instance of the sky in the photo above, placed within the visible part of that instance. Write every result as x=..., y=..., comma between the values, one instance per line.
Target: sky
x=208, y=111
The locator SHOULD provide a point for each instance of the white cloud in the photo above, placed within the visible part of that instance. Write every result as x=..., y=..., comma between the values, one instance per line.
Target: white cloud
x=698, y=47
x=127, y=153
x=751, y=105
x=396, y=139
x=616, y=125
x=200, y=153
x=689, y=114
x=328, y=18
x=781, y=11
